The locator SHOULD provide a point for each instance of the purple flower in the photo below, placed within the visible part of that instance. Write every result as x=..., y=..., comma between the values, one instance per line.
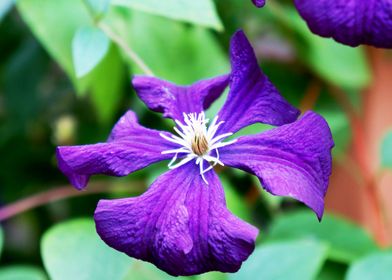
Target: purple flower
x=351, y=22
x=181, y=223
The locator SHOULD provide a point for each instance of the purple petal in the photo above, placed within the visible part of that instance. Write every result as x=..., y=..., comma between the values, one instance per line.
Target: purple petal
x=259, y=3
x=173, y=100
x=292, y=160
x=351, y=22
x=252, y=97
x=180, y=224
x=129, y=148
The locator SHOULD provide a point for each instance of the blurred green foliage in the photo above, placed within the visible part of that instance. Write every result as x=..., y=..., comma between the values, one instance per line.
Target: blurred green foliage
x=347, y=242
x=65, y=72
x=98, y=7
x=190, y=52
x=19, y=272
x=73, y=250
x=200, y=12
x=279, y=260
x=377, y=266
x=89, y=47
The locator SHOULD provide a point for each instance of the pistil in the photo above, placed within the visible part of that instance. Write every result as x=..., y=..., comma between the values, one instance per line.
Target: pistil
x=199, y=145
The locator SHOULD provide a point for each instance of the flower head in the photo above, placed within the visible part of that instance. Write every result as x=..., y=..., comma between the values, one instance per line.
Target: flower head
x=197, y=142
x=352, y=22
x=181, y=223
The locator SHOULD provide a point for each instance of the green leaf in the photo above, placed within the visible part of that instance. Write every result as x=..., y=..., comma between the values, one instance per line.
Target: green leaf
x=377, y=266
x=386, y=150
x=99, y=7
x=89, y=47
x=173, y=51
x=293, y=260
x=200, y=12
x=55, y=29
x=214, y=275
x=5, y=7
x=73, y=250
x=335, y=63
x=146, y=271
x=22, y=272
x=106, y=93
x=347, y=241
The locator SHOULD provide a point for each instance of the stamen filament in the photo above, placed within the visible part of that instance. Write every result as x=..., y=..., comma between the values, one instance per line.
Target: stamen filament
x=202, y=171
x=221, y=144
x=176, y=151
x=182, y=162
x=220, y=137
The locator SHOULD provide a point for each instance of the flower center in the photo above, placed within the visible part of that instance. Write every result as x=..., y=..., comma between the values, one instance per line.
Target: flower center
x=197, y=142
x=199, y=145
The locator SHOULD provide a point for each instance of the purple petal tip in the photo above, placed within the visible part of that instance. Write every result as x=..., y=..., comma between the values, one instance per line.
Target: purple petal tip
x=78, y=181
x=351, y=23
x=259, y=3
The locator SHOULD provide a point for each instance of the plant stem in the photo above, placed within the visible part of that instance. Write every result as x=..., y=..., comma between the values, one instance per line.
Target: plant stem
x=57, y=194
x=124, y=46
x=360, y=146
x=374, y=198
x=359, y=135
x=311, y=95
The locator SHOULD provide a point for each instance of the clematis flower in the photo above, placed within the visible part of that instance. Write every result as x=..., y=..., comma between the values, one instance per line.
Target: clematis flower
x=181, y=223
x=351, y=23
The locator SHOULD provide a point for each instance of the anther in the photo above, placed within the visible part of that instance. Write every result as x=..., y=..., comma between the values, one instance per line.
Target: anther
x=199, y=145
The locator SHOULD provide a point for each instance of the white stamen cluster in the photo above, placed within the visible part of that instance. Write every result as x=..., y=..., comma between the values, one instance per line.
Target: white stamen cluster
x=197, y=142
